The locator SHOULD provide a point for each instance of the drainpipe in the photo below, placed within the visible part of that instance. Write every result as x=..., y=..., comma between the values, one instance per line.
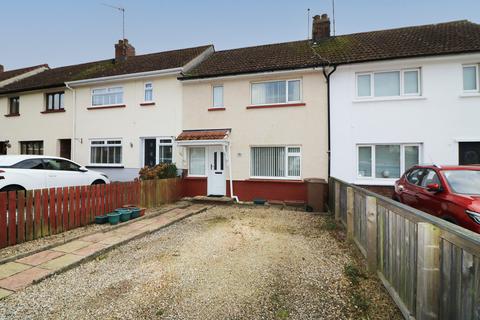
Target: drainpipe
x=74, y=124
x=230, y=173
x=327, y=78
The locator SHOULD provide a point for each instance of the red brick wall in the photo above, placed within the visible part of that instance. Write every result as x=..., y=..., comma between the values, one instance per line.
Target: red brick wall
x=386, y=191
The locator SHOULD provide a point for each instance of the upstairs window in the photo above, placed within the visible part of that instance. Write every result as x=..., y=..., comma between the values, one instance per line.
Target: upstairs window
x=276, y=92
x=148, y=91
x=107, y=96
x=470, y=78
x=388, y=83
x=218, y=97
x=55, y=101
x=14, y=106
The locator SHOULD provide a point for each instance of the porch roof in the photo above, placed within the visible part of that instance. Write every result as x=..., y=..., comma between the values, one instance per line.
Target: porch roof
x=207, y=134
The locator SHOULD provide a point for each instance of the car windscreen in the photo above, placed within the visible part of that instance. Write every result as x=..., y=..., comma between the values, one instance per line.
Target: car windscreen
x=463, y=181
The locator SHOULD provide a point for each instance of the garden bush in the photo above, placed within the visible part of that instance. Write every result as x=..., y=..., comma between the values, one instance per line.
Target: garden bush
x=160, y=171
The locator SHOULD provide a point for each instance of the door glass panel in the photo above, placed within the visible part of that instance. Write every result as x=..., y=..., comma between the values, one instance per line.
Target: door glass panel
x=150, y=156
x=221, y=161
x=215, y=161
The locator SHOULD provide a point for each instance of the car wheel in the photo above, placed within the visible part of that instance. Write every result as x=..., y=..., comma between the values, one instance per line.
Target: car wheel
x=98, y=182
x=12, y=188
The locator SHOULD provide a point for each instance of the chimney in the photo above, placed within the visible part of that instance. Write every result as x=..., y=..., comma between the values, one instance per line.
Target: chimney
x=321, y=27
x=2, y=68
x=123, y=50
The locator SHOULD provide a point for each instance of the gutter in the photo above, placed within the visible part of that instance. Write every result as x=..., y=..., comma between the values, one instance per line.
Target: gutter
x=327, y=76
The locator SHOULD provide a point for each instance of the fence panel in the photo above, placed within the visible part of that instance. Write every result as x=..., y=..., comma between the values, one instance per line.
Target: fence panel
x=343, y=203
x=360, y=220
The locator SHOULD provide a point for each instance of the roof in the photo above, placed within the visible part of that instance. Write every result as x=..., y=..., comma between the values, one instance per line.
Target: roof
x=57, y=77
x=209, y=134
x=5, y=75
x=435, y=39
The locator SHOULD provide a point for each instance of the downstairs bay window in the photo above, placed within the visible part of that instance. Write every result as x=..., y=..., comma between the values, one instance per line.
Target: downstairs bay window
x=386, y=161
x=106, y=152
x=275, y=162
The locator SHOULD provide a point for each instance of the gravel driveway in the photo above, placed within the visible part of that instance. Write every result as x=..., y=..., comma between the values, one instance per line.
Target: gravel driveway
x=225, y=263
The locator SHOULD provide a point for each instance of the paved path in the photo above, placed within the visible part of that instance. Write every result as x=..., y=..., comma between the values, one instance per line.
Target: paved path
x=18, y=274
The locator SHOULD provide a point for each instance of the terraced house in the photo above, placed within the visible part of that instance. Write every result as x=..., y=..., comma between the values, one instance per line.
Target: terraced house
x=117, y=115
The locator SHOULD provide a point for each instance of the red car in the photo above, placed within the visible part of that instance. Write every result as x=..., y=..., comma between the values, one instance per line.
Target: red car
x=451, y=193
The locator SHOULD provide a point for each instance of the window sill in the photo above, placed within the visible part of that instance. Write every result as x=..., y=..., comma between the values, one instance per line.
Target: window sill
x=147, y=103
x=112, y=106
x=280, y=180
x=403, y=98
x=470, y=95
x=99, y=166
x=216, y=109
x=52, y=111
x=12, y=115
x=280, y=105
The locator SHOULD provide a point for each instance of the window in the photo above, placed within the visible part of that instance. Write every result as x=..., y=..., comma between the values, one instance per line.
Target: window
x=469, y=153
x=31, y=147
x=470, y=78
x=389, y=83
x=55, y=101
x=29, y=164
x=148, y=91
x=275, y=92
x=275, y=162
x=106, y=152
x=165, y=151
x=416, y=176
x=386, y=161
x=430, y=178
x=218, y=97
x=59, y=164
x=107, y=96
x=157, y=150
x=196, y=163
x=14, y=106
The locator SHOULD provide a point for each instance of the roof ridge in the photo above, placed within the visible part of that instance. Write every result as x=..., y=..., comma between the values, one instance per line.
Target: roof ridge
x=264, y=45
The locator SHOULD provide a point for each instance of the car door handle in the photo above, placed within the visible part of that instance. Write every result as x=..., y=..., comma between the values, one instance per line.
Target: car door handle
x=51, y=175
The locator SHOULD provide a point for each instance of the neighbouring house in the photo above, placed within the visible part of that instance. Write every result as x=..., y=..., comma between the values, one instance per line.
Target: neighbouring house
x=401, y=97
x=117, y=114
x=255, y=122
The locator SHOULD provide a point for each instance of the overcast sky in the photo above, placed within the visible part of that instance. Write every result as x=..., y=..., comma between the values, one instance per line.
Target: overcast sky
x=61, y=32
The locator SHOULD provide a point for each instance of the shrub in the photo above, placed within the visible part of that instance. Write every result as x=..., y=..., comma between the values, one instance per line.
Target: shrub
x=160, y=171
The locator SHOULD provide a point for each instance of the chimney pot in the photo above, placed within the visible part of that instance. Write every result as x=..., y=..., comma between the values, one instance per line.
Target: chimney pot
x=321, y=27
x=123, y=50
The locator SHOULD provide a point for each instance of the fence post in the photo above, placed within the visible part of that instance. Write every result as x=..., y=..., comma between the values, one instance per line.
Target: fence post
x=428, y=271
x=371, y=206
x=337, y=200
x=350, y=199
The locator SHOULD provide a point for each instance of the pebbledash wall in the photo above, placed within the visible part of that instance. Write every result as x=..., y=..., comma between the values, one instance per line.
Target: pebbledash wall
x=129, y=122
x=303, y=125
x=438, y=120
x=33, y=123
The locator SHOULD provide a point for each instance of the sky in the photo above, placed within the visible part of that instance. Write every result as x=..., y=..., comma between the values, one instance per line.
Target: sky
x=65, y=32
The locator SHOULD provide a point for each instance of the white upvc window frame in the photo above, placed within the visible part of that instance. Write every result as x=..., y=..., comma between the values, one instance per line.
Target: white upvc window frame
x=93, y=164
x=477, y=84
x=145, y=89
x=286, y=91
x=287, y=154
x=158, y=143
x=213, y=96
x=205, y=157
x=373, y=159
x=372, y=95
x=92, y=94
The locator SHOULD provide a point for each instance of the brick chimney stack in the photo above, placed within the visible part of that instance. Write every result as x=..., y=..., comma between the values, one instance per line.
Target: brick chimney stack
x=123, y=50
x=2, y=68
x=321, y=27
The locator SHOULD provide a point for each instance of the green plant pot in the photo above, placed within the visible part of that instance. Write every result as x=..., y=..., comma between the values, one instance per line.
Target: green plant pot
x=125, y=215
x=121, y=210
x=135, y=213
x=101, y=219
x=114, y=218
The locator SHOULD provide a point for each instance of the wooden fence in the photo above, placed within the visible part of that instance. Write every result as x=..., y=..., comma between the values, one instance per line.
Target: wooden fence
x=39, y=213
x=430, y=267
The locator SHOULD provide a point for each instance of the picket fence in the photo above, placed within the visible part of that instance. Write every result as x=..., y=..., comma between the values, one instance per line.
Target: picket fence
x=30, y=215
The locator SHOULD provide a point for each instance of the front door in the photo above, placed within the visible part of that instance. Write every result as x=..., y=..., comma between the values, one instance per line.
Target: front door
x=3, y=147
x=65, y=148
x=217, y=183
x=150, y=156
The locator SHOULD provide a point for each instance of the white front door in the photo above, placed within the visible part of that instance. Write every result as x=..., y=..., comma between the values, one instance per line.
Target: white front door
x=216, y=182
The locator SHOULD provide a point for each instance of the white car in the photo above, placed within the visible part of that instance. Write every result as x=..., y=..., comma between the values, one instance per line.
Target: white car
x=22, y=172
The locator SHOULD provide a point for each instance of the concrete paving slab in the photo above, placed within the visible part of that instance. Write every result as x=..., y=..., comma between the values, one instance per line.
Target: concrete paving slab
x=73, y=246
x=87, y=251
x=97, y=237
x=12, y=268
x=112, y=240
x=61, y=262
x=41, y=257
x=21, y=280
x=4, y=293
